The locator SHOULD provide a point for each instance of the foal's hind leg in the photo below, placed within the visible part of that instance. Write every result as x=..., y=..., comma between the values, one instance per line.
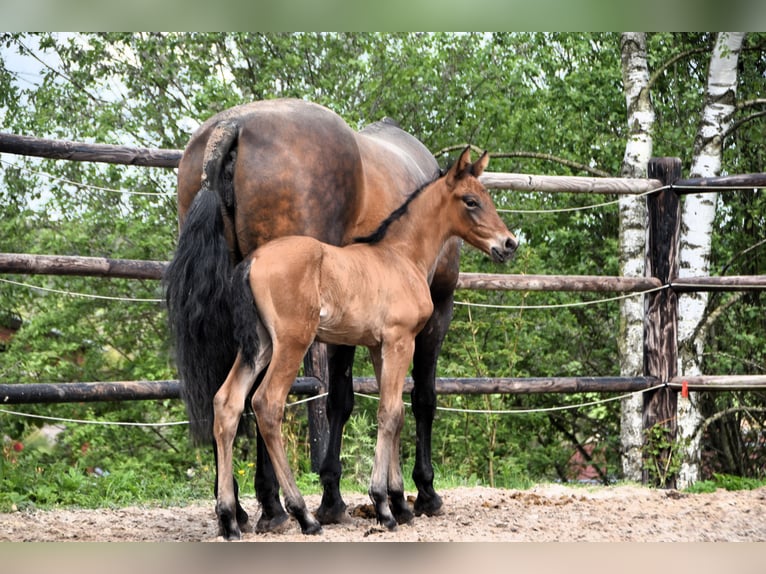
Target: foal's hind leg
x=391, y=362
x=228, y=405
x=242, y=516
x=269, y=405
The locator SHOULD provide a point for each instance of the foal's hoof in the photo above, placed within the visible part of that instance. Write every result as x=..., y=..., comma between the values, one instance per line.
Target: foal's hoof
x=312, y=529
x=228, y=527
x=389, y=523
x=272, y=524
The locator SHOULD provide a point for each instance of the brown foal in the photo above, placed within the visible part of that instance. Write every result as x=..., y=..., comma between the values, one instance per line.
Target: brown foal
x=374, y=293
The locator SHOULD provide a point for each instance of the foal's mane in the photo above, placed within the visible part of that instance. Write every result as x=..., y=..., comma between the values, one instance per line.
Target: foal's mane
x=377, y=235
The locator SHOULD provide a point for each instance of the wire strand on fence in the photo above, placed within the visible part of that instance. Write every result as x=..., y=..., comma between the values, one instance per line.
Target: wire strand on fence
x=92, y=422
x=322, y=395
x=86, y=185
x=582, y=207
x=562, y=305
x=76, y=294
x=528, y=411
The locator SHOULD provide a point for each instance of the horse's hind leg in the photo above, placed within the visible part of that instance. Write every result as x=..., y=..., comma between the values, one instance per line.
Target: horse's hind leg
x=340, y=403
x=228, y=405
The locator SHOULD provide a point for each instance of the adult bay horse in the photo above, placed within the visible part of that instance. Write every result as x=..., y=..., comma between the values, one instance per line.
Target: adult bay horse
x=289, y=167
x=374, y=292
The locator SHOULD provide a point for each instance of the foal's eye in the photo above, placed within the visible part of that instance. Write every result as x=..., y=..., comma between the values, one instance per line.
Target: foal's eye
x=470, y=202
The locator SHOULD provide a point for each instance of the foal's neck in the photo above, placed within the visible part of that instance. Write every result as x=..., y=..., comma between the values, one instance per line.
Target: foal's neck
x=421, y=233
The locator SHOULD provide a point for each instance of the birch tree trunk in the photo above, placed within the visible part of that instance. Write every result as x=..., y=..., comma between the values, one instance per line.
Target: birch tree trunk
x=632, y=239
x=697, y=217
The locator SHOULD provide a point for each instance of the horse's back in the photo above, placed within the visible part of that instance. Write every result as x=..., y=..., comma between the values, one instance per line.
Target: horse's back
x=395, y=164
x=296, y=170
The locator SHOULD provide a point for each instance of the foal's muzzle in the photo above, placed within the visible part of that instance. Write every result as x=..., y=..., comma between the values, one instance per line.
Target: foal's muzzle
x=505, y=250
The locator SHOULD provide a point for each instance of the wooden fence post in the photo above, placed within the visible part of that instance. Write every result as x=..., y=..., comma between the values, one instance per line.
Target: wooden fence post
x=661, y=313
x=315, y=365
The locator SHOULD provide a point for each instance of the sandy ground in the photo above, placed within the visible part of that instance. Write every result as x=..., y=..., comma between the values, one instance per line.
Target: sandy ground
x=549, y=513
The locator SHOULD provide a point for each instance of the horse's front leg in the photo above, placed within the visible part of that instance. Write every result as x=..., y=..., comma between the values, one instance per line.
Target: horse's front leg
x=391, y=362
x=340, y=403
x=228, y=405
x=427, y=348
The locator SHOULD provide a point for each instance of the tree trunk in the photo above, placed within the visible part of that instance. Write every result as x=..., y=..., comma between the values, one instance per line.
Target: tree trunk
x=696, y=234
x=638, y=150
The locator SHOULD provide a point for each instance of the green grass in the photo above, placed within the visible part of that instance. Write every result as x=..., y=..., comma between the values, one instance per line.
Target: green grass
x=727, y=482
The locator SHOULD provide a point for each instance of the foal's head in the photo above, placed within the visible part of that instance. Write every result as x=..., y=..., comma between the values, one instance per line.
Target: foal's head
x=474, y=217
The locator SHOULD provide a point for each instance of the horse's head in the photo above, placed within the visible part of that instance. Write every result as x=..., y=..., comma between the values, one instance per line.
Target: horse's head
x=475, y=218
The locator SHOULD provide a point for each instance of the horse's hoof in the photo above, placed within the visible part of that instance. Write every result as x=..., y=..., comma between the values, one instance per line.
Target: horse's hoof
x=242, y=517
x=400, y=509
x=272, y=524
x=335, y=514
x=403, y=516
x=431, y=506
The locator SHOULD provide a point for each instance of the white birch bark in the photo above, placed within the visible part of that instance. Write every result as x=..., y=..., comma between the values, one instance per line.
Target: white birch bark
x=697, y=216
x=632, y=240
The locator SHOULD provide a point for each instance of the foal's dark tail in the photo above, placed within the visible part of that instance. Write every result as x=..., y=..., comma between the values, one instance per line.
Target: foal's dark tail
x=246, y=317
x=197, y=283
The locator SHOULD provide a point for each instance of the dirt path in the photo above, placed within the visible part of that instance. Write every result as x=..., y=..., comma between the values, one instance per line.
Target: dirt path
x=542, y=514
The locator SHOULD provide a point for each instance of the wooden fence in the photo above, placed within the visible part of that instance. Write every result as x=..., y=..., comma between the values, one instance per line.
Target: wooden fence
x=660, y=322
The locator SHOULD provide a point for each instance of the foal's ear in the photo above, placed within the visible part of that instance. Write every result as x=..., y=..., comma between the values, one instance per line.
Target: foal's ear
x=463, y=161
x=460, y=167
x=481, y=164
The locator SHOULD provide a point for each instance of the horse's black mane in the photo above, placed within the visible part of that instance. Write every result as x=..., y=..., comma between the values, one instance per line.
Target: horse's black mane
x=377, y=235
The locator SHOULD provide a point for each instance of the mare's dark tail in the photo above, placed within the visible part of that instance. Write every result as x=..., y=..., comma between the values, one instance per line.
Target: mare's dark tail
x=197, y=282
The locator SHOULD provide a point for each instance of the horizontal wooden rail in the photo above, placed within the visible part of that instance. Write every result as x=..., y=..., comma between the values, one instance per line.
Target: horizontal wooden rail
x=78, y=151
x=725, y=283
x=46, y=393
x=712, y=184
x=169, y=158
x=720, y=382
x=568, y=184
x=521, y=385
x=84, y=266
x=596, y=283
x=139, y=269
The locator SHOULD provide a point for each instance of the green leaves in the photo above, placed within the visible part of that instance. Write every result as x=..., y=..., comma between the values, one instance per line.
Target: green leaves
x=554, y=94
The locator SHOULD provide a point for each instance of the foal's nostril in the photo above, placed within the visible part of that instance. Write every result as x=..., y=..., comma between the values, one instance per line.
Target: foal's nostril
x=511, y=244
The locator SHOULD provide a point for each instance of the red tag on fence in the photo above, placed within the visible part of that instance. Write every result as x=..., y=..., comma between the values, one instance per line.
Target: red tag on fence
x=685, y=390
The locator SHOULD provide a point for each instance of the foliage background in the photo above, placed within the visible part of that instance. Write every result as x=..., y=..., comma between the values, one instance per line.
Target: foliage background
x=531, y=98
